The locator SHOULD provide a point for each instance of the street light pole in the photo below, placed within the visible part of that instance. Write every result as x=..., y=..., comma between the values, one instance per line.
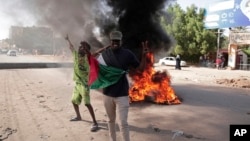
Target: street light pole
x=218, y=43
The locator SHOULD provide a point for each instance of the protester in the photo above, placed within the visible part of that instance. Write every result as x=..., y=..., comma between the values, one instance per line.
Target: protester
x=115, y=95
x=81, y=75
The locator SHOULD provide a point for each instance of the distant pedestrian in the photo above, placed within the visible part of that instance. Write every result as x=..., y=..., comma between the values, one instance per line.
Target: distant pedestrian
x=218, y=63
x=201, y=60
x=222, y=62
x=178, y=62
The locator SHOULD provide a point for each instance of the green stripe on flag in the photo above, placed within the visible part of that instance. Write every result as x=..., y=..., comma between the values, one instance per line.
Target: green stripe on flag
x=107, y=76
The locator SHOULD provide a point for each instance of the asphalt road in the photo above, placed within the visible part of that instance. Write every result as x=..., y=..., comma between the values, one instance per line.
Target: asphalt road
x=31, y=61
x=20, y=58
x=35, y=105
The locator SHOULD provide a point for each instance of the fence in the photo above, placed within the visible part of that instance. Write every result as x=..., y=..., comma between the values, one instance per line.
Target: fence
x=244, y=66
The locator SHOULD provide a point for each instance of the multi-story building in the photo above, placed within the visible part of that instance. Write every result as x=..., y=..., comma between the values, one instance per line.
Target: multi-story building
x=33, y=39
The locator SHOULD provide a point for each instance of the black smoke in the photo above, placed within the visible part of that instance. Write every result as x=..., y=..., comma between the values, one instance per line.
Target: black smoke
x=139, y=21
x=93, y=20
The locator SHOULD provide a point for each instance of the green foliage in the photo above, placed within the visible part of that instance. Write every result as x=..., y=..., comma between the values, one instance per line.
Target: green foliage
x=247, y=51
x=178, y=50
x=187, y=28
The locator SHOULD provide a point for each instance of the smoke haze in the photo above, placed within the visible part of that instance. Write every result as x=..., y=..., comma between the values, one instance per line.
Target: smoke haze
x=92, y=20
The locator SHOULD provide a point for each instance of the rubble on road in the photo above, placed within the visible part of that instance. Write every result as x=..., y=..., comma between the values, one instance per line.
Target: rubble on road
x=236, y=82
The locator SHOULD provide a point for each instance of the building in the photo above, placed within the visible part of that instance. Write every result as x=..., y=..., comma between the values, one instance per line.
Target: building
x=243, y=61
x=235, y=54
x=33, y=39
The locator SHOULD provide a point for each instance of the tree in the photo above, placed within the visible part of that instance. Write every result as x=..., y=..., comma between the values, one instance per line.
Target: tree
x=187, y=28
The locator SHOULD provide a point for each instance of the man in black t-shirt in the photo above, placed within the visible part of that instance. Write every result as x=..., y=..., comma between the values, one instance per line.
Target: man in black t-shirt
x=116, y=96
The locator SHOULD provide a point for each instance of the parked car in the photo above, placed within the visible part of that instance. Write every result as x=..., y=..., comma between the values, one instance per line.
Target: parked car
x=171, y=61
x=12, y=53
x=3, y=51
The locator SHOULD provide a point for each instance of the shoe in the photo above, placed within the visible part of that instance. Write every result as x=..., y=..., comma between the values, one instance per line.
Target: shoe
x=94, y=127
x=75, y=119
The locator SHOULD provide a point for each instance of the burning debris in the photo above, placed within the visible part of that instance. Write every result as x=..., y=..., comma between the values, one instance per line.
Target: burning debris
x=93, y=20
x=151, y=85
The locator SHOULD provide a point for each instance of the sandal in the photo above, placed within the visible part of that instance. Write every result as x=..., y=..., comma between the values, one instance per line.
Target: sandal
x=75, y=119
x=94, y=127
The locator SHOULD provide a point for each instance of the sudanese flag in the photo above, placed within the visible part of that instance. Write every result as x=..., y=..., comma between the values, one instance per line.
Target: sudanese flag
x=102, y=76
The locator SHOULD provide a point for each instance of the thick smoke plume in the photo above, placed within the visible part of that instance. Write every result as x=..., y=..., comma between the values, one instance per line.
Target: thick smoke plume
x=74, y=17
x=93, y=20
x=139, y=20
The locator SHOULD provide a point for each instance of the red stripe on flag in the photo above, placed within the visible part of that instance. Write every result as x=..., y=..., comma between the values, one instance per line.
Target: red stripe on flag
x=93, y=69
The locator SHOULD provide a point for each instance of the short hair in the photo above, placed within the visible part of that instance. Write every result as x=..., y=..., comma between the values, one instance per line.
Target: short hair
x=85, y=44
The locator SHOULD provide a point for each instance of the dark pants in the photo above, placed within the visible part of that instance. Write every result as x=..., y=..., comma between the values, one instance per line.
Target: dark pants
x=178, y=64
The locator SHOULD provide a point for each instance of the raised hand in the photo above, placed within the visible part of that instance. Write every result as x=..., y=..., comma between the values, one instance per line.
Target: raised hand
x=67, y=37
x=145, y=48
x=70, y=44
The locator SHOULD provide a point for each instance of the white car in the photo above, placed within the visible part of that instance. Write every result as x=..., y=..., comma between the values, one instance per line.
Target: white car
x=171, y=61
x=12, y=53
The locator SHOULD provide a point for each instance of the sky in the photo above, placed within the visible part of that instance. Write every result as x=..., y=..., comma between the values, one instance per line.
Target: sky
x=186, y=3
x=14, y=12
x=10, y=16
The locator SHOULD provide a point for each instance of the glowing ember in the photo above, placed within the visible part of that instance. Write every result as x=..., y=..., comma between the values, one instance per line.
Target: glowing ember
x=152, y=85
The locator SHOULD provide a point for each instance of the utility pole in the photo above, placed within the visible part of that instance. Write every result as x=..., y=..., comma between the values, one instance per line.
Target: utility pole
x=218, y=42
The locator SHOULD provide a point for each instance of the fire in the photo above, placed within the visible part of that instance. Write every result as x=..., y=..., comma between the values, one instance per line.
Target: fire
x=152, y=85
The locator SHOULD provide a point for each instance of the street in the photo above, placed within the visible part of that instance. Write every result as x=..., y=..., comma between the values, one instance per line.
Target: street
x=35, y=105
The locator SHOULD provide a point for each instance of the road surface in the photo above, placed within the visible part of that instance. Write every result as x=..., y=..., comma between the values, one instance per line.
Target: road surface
x=35, y=106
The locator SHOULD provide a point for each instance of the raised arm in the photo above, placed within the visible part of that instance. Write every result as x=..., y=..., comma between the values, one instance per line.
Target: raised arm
x=145, y=50
x=100, y=50
x=71, y=47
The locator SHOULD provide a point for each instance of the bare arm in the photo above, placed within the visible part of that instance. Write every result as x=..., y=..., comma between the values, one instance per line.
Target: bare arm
x=71, y=47
x=145, y=50
x=143, y=62
x=100, y=50
x=85, y=45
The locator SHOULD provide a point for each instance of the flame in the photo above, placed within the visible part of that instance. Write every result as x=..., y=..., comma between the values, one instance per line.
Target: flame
x=152, y=85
